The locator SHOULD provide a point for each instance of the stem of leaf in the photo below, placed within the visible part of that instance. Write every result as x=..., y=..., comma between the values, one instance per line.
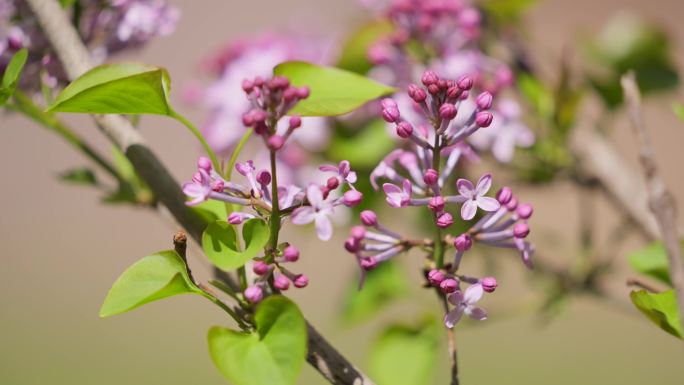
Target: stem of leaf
x=274, y=222
x=207, y=148
x=226, y=308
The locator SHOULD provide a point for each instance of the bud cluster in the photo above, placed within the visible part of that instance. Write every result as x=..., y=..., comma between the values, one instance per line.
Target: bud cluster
x=273, y=271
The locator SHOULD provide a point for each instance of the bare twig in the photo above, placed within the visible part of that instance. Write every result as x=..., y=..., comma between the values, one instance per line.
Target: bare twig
x=641, y=284
x=76, y=60
x=660, y=200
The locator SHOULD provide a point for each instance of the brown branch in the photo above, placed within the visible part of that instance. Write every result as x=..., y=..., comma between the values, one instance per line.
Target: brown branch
x=660, y=201
x=76, y=60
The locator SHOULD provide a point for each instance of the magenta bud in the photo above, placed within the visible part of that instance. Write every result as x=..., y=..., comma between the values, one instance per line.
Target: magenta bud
x=204, y=163
x=488, y=284
x=504, y=195
x=465, y=83
x=258, y=115
x=218, y=186
x=416, y=93
x=521, y=230
x=247, y=119
x=254, y=294
x=390, y=114
x=435, y=277
x=276, y=142
x=484, y=118
x=260, y=267
x=358, y=232
x=512, y=204
x=433, y=89
x=332, y=183
x=368, y=263
x=291, y=254
x=303, y=92
x=258, y=81
x=369, y=218
x=436, y=204
x=281, y=282
x=524, y=211
x=247, y=85
x=454, y=92
x=484, y=100
x=447, y=111
x=429, y=78
x=301, y=281
x=465, y=94
x=295, y=121
x=404, y=130
x=352, y=245
x=430, y=177
x=352, y=198
x=448, y=285
x=444, y=220
x=463, y=242
x=290, y=94
x=235, y=218
x=263, y=177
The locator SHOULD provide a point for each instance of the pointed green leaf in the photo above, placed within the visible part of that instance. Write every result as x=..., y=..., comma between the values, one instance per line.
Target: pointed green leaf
x=333, y=91
x=152, y=278
x=82, y=175
x=652, y=261
x=125, y=88
x=219, y=242
x=10, y=78
x=273, y=355
x=255, y=233
x=661, y=308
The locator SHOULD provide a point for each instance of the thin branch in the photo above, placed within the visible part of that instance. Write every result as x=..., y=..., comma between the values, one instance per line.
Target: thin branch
x=76, y=60
x=660, y=201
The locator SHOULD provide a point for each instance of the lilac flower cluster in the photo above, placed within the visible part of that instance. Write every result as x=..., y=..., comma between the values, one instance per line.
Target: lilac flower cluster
x=271, y=100
x=419, y=176
x=106, y=27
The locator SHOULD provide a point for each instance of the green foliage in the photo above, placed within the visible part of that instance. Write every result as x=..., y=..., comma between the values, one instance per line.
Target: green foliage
x=365, y=149
x=10, y=78
x=220, y=244
x=652, y=261
x=506, y=11
x=126, y=88
x=83, y=176
x=678, y=110
x=405, y=355
x=154, y=277
x=131, y=189
x=210, y=210
x=354, y=55
x=661, y=308
x=273, y=355
x=333, y=91
x=382, y=285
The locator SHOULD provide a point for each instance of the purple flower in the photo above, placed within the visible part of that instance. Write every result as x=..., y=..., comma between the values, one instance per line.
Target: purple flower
x=396, y=196
x=505, y=134
x=318, y=211
x=199, y=189
x=343, y=170
x=465, y=303
x=475, y=198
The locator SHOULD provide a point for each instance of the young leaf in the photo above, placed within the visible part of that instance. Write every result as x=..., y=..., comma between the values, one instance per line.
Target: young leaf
x=333, y=91
x=152, y=278
x=273, y=355
x=125, y=88
x=84, y=176
x=382, y=285
x=255, y=233
x=219, y=242
x=661, y=308
x=652, y=261
x=405, y=355
x=678, y=110
x=10, y=78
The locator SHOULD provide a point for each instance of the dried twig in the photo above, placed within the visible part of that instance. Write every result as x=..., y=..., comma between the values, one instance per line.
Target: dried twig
x=76, y=60
x=660, y=200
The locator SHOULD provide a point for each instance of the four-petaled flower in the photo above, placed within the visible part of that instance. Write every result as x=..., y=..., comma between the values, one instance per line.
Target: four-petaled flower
x=318, y=211
x=343, y=170
x=465, y=303
x=474, y=196
x=199, y=189
x=398, y=197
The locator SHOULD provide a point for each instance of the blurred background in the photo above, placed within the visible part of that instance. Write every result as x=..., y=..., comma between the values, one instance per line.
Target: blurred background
x=62, y=249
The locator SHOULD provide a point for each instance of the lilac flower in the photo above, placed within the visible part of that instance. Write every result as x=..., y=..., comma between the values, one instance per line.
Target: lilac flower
x=142, y=20
x=199, y=189
x=475, y=198
x=343, y=170
x=318, y=211
x=464, y=303
x=505, y=134
x=396, y=196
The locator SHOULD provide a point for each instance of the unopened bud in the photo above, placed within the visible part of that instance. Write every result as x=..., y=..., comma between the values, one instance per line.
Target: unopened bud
x=448, y=285
x=488, y=284
x=291, y=254
x=369, y=218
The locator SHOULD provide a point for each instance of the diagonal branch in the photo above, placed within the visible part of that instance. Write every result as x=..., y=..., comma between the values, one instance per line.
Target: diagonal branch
x=660, y=201
x=76, y=60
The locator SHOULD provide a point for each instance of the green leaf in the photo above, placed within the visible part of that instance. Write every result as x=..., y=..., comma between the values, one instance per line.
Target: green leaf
x=273, y=355
x=333, y=91
x=365, y=149
x=405, y=355
x=652, y=261
x=220, y=245
x=661, y=308
x=126, y=88
x=154, y=277
x=678, y=110
x=354, y=56
x=539, y=97
x=382, y=285
x=10, y=78
x=84, y=176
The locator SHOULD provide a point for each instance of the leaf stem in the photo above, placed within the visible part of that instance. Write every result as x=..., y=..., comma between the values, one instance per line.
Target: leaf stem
x=207, y=148
x=274, y=221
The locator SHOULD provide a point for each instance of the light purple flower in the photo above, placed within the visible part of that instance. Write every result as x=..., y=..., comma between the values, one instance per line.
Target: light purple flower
x=343, y=170
x=144, y=19
x=199, y=189
x=464, y=303
x=396, y=196
x=505, y=134
x=318, y=211
x=475, y=198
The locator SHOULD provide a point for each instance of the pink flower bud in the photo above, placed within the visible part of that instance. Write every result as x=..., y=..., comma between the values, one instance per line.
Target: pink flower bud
x=235, y=218
x=465, y=83
x=260, y=267
x=521, y=230
x=290, y=94
x=454, y=92
x=352, y=245
x=358, y=232
x=429, y=78
x=484, y=119
x=303, y=92
x=295, y=122
x=463, y=242
x=263, y=177
x=352, y=198
x=448, y=285
x=332, y=183
x=433, y=89
x=247, y=119
x=390, y=114
x=247, y=85
x=447, y=111
x=488, y=284
x=291, y=254
x=465, y=94
x=368, y=263
x=258, y=81
x=512, y=203
x=444, y=220
x=369, y=218
x=254, y=294
x=218, y=186
x=204, y=163
x=436, y=204
x=281, y=282
x=276, y=142
x=430, y=177
x=435, y=277
x=404, y=129
x=416, y=93
x=301, y=281
x=524, y=211
x=484, y=100
x=504, y=195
